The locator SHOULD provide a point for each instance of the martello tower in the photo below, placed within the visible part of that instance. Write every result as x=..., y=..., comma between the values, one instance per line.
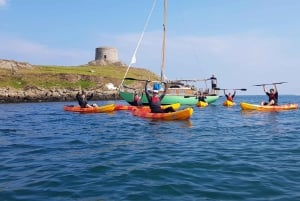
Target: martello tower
x=106, y=54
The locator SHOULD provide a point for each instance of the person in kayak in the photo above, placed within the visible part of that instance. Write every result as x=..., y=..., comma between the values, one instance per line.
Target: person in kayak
x=229, y=96
x=136, y=99
x=273, y=96
x=155, y=99
x=201, y=97
x=83, y=100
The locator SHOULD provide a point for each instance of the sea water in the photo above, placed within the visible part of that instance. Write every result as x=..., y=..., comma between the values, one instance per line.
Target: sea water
x=219, y=154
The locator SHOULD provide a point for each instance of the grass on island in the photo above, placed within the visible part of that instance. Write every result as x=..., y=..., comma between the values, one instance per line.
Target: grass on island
x=70, y=76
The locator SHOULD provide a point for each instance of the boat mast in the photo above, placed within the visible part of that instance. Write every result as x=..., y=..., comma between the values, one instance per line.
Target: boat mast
x=162, y=74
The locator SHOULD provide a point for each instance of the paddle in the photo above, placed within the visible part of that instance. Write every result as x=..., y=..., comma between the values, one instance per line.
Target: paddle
x=242, y=89
x=131, y=78
x=269, y=84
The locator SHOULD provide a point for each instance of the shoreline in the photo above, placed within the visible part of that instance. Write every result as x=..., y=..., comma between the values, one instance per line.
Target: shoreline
x=35, y=95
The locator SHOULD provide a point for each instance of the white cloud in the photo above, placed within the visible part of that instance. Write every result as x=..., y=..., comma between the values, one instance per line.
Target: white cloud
x=35, y=53
x=2, y=3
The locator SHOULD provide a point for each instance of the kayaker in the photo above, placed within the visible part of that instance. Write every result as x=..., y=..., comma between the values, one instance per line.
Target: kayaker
x=155, y=99
x=83, y=100
x=273, y=96
x=229, y=96
x=136, y=99
x=201, y=97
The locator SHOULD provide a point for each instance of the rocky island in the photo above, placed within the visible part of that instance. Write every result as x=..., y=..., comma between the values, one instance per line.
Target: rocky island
x=22, y=82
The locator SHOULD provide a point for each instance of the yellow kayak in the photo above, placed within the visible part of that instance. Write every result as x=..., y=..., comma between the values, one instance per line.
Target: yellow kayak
x=248, y=106
x=102, y=109
x=201, y=104
x=177, y=115
x=228, y=103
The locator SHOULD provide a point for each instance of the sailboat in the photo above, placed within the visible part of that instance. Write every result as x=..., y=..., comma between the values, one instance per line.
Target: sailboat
x=178, y=90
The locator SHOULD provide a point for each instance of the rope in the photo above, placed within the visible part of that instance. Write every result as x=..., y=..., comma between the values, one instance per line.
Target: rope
x=133, y=58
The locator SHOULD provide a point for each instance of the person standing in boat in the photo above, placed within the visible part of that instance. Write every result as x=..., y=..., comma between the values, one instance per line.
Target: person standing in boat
x=137, y=101
x=273, y=96
x=229, y=96
x=155, y=99
x=213, y=83
x=83, y=100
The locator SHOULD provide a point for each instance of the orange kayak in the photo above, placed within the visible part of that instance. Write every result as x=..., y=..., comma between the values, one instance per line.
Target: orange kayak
x=178, y=115
x=131, y=107
x=77, y=108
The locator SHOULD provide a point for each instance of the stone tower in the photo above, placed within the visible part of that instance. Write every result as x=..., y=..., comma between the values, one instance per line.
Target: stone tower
x=106, y=54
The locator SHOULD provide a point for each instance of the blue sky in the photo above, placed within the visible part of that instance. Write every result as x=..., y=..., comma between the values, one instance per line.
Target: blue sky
x=242, y=42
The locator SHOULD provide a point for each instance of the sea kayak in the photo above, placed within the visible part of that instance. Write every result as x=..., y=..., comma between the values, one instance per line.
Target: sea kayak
x=99, y=109
x=177, y=115
x=201, y=104
x=228, y=103
x=249, y=106
x=131, y=107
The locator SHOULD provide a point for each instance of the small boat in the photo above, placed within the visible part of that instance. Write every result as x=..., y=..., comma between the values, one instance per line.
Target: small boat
x=178, y=115
x=228, y=103
x=249, y=106
x=175, y=106
x=99, y=109
x=201, y=104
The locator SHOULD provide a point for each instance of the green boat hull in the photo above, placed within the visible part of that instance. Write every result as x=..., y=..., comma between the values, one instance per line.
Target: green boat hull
x=170, y=99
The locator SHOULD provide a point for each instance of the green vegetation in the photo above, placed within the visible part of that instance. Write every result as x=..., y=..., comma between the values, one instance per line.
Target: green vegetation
x=70, y=76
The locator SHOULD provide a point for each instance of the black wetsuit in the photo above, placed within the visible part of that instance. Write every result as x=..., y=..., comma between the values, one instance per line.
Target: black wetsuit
x=83, y=101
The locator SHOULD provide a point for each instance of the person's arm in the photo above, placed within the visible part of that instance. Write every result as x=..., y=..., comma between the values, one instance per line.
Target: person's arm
x=264, y=87
x=233, y=94
x=146, y=91
x=275, y=88
x=164, y=92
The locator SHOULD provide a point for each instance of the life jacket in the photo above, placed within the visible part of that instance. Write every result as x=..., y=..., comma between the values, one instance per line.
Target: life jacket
x=155, y=104
x=273, y=97
x=155, y=99
x=229, y=98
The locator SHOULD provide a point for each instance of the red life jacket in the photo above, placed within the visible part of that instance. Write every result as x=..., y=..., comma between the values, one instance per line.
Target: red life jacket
x=155, y=99
x=230, y=98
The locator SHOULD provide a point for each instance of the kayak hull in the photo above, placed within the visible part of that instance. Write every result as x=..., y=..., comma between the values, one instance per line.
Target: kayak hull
x=201, y=104
x=170, y=99
x=249, y=106
x=99, y=109
x=175, y=106
x=228, y=103
x=170, y=116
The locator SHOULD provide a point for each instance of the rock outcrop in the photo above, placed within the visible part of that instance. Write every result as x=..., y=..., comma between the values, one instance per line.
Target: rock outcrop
x=14, y=65
x=33, y=94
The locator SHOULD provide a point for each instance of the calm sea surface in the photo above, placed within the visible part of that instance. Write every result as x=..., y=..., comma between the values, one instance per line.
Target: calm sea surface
x=219, y=154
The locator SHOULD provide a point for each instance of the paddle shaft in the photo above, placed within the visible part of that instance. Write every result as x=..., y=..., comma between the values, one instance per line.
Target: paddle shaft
x=258, y=85
x=231, y=89
x=131, y=78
